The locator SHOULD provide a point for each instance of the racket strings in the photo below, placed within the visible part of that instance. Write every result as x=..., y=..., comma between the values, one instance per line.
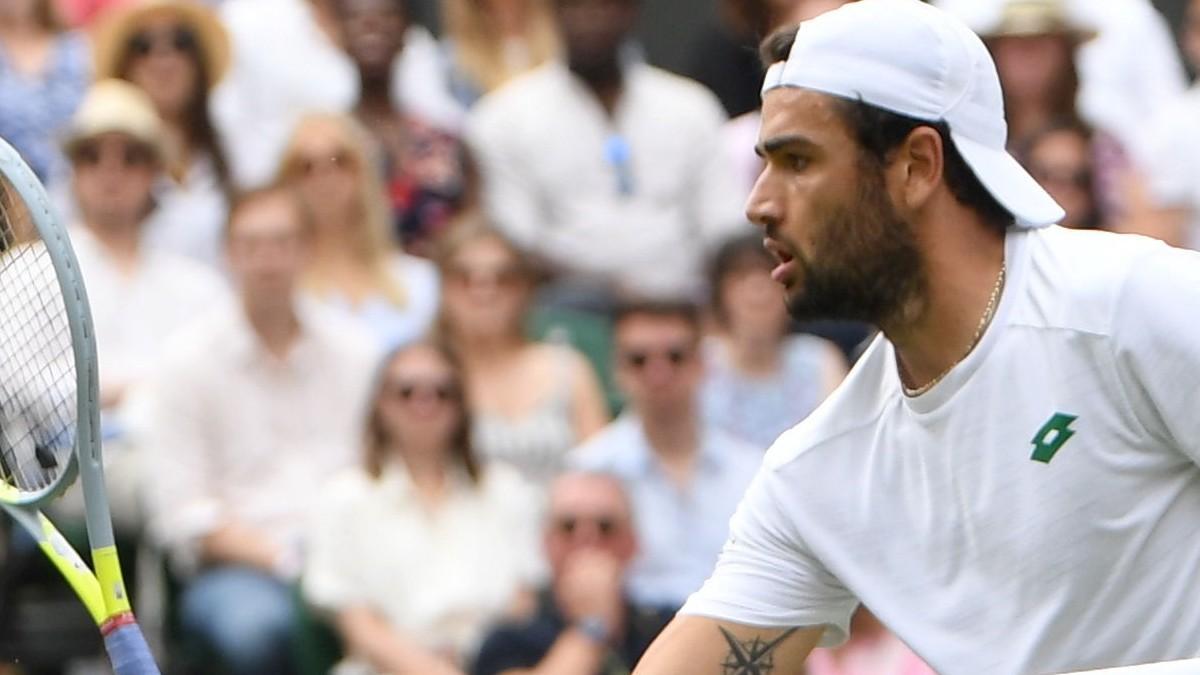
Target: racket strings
x=37, y=370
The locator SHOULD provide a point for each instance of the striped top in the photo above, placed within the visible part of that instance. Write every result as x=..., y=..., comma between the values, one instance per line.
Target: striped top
x=536, y=442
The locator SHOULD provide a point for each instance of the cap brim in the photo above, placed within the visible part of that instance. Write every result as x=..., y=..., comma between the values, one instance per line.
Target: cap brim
x=1030, y=205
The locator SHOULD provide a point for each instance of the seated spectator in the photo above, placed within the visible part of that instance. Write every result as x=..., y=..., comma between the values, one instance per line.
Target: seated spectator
x=585, y=622
x=609, y=169
x=558, y=403
x=420, y=548
x=871, y=650
x=426, y=169
x=176, y=51
x=355, y=267
x=288, y=61
x=1061, y=158
x=139, y=296
x=255, y=405
x=759, y=379
x=44, y=71
x=685, y=476
x=490, y=42
x=1170, y=156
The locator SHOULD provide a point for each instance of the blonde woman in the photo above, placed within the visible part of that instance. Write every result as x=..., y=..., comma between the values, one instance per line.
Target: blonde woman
x=532, y=401
x=356, y=266
x=492, y=41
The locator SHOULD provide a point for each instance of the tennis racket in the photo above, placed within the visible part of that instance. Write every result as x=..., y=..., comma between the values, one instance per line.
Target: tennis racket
x=49, y=405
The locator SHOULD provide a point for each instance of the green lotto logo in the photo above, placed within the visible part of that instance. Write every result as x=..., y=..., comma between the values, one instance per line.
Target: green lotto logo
x=1053, y=435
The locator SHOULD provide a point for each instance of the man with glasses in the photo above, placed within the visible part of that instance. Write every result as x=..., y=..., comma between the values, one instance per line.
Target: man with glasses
x=584, y=623
x=685, y=476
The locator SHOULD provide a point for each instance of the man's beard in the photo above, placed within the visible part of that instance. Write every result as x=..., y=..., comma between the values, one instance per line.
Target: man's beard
x=866, y=265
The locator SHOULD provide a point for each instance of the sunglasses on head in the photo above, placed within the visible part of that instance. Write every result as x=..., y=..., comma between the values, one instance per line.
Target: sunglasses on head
x=638, y=359
x=606, y=526
x=409, y=390
x=180, y=39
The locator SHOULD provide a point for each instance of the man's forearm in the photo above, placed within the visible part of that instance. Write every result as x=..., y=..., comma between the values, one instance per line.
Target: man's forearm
x=698, y=646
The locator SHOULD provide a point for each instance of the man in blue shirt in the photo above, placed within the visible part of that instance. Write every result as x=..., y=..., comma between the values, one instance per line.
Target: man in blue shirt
x=685, y=477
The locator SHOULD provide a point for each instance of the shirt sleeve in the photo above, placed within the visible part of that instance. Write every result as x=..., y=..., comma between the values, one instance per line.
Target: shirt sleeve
x=766, y=577
x=1157, y=342
x=330, y=581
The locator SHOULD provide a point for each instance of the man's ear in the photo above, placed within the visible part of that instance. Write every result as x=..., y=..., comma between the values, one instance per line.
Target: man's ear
x=917, y=167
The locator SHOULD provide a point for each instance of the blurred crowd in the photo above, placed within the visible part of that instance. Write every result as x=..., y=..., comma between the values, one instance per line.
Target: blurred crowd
x=454, y=353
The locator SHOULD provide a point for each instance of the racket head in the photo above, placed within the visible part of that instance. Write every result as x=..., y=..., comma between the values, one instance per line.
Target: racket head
x=47, y=349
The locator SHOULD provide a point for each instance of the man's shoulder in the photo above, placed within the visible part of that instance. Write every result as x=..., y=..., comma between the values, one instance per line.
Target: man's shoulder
x=518, y=97
x=611, y=448
x=1076, y=279
x=852, y=410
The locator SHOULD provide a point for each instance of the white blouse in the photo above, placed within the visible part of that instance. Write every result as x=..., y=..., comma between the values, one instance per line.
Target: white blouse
x=439, y=577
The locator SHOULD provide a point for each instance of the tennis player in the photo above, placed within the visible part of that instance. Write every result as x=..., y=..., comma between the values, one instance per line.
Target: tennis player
x=1009, y=476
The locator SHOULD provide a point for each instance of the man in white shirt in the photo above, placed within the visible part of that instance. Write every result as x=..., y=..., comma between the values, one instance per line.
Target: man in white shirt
x=139, y=295
x=684, y=475
x=608, y=168
x=1008, y=478
x=253, y=409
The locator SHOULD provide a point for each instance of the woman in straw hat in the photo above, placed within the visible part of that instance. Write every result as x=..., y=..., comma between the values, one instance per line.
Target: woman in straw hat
x=176, y=51
x=43, y=74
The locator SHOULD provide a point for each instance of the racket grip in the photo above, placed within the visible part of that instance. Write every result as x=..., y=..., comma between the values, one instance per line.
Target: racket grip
x=128, y=652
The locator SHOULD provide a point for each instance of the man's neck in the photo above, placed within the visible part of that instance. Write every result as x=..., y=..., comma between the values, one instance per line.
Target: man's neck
x=605, y=82
x=943, y=326
x=375, y=99
x=674, y=437
x=275, y=324
x=119, y=238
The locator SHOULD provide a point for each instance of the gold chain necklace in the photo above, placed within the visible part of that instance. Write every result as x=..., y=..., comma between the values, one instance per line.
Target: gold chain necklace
x=986, y=319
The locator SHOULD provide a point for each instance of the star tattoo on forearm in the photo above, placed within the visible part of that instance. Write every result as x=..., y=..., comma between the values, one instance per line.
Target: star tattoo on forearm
x=751, y=657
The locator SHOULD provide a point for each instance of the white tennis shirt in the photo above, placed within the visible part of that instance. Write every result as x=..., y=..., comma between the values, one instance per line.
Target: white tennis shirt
x=1037, y=511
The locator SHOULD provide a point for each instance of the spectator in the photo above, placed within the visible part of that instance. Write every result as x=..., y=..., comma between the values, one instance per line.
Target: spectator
x=559, y=401
x=176, y=51
x=608, y=168
x=585, y=623
x=429, y=179
x=355, y=267
x=1060, y=157
x=1035, y=45
x=1127, y=73
x=871, y=650
x=255, y=406
x=139, y=296
x=685, y=476
x=288, y=61
x=493, y=41
x=44, y=72
x=419, y=548
x=1170, y=156
x=759, y=380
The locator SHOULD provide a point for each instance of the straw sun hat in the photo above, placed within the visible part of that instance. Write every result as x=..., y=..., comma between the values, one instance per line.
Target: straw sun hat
x=113, y=31
x=1027, y=18
x=116, y=106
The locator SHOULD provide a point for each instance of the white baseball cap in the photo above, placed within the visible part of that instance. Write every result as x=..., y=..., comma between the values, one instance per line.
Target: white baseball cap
x=915, y=60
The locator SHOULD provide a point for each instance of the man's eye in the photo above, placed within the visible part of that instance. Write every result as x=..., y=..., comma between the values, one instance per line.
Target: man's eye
x=795, y=162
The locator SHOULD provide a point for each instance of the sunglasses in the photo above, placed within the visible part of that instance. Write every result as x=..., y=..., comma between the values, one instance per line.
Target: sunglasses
x=639, y=359
x=407, y=391
x=1079, y=178
x=132, y=156
x=179, y=39
x=508, y=276
x=606, y=526
x=308, y=165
